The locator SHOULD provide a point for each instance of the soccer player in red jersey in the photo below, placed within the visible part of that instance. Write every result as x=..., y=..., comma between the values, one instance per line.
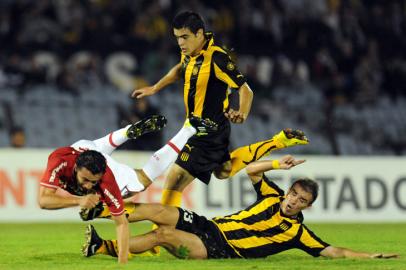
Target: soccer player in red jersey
x=90, y=175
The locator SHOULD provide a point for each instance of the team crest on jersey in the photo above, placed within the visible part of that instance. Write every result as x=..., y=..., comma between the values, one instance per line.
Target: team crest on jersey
x=195, y=71
x=184, y=156
x=285, y=226
x=230, y=66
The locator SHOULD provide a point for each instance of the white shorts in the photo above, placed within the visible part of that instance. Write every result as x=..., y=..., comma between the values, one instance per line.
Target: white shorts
x=125, y=176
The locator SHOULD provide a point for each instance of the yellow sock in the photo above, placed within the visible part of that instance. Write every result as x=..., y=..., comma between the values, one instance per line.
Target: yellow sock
x=171, y=197
x=244, y=155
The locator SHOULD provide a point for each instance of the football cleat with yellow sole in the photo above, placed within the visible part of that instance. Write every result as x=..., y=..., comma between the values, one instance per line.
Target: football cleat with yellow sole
x=203, y=126
x=290, y=137
x=149, y=124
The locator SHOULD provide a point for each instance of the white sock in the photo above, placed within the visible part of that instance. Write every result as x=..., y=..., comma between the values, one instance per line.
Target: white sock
x=109, y=143
x=161, y=159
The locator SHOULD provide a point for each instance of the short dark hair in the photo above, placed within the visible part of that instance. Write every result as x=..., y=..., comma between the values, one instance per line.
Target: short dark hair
x=309, y=185
x=92, y=160
x=189, y=19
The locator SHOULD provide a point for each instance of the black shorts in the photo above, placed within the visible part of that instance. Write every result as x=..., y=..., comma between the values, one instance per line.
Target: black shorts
x=207, y=231
x=202, y=155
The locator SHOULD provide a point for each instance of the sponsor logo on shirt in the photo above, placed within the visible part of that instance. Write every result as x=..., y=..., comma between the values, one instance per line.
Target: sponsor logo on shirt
x=56, y=170
x=112, y=198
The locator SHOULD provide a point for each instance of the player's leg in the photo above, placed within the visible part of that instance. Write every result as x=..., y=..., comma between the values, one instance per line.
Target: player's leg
x=179, y=243
x=154, y=212
x=244, y=155
x=110, y=142
x=157, y=213
x=161, y=159
x=177, y=180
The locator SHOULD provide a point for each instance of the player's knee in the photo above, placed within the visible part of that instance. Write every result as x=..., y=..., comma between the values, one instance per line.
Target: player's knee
x=159, y=210
x=143, y=178
x=164, y=234
x=178, y=178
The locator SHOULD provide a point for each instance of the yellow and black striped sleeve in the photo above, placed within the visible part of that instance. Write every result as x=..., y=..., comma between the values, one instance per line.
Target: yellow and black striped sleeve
x=265, y=188
x=310, y=243
x=226, y=70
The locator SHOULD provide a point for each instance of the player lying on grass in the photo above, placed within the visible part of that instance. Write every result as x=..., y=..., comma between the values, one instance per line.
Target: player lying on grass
x=273, y=223
x=90, y=175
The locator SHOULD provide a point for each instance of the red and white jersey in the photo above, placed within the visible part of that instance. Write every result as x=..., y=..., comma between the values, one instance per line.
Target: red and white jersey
x=60, y=174
x=125, y=176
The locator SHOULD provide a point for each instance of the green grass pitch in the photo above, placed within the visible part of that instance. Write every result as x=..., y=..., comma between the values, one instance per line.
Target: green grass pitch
x=57, y=246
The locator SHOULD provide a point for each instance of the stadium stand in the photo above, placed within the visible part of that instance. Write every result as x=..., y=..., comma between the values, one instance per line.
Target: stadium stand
x=330, y=69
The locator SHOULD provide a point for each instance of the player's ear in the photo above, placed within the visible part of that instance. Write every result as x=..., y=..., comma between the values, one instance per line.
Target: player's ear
x=199, y=32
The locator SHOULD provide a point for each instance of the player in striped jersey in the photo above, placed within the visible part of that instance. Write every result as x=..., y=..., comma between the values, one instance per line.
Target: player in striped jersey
x=273, y=223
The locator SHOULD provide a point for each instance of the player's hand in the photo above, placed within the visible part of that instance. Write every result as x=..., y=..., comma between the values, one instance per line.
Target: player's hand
x=384, y=256
x=89, y=201
x=143, y=92
x=91, y=213
x=235, y=117
x=288, y=161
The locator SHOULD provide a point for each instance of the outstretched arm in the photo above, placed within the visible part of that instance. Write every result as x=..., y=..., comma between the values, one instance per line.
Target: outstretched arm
x=172, y=76
x=338, y=252
x=123, y=237
x=256, y=169
x=48, y=198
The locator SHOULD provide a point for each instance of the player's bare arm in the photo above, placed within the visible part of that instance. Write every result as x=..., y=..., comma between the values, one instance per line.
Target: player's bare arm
x=245, y=96
x=49, y=199
x=338, y=252
x=256, y=169
x=172, y=76
x=123, y=237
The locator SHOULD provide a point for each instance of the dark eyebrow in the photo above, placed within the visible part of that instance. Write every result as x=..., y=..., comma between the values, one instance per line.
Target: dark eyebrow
x=301, y=198
x=87, y=180
x=182, y=36
x=305, y=200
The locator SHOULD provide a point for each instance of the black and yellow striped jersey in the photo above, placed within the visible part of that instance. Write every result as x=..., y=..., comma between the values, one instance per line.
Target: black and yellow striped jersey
x=262, y=230
x=207, y=78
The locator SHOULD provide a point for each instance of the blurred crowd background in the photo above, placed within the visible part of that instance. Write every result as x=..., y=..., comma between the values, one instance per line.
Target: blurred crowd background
x=333, y=68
